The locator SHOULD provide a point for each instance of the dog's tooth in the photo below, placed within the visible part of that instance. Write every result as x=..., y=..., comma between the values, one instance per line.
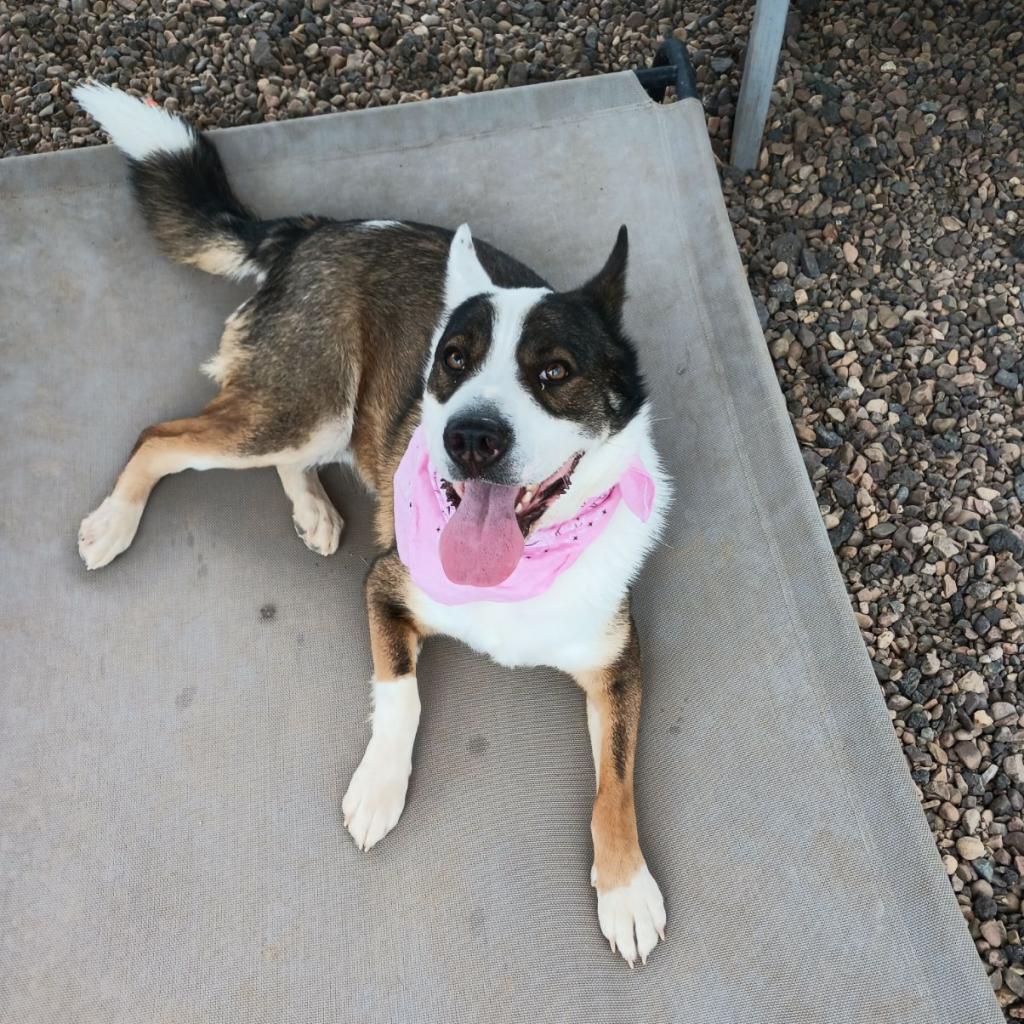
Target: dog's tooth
x=519, y=508
x=527, y=496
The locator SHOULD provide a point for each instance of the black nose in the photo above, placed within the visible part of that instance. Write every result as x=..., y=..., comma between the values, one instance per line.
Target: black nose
x=476, y=442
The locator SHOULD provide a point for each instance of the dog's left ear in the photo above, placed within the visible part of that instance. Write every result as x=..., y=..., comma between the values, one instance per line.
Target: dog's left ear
x=465, y=276
x=606, y=291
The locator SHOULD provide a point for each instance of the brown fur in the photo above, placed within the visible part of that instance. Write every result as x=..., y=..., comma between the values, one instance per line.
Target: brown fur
x=614, y=693
x=218, y=432
x=327, y=359
x=329, y=338
x=335, y=338
x=395, y=634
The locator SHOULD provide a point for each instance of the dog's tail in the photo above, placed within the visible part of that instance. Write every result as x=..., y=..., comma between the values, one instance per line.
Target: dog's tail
x=180, y=184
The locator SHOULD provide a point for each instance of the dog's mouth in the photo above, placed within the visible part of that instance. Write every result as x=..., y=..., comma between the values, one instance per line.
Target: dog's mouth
x=531, y=501
x=483, y=541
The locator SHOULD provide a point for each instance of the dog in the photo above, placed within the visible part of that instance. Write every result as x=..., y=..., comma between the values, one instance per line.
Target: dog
x=504, y=428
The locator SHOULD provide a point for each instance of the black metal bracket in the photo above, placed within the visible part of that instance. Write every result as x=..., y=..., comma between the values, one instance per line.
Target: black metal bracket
x=671, y=67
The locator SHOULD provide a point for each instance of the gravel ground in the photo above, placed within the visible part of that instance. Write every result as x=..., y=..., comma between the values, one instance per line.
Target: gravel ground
x=883, y=240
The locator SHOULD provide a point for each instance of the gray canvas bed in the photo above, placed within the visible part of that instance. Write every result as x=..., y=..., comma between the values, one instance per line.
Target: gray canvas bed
x=176, y=730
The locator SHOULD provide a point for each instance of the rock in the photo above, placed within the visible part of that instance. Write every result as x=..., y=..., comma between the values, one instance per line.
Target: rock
x=850, y=252
x=809, y=264
x=1014, y=981
x=827, y=438
x=1001, y=806
x=721, y=64
x=1002, y=709
x=969, y=754
x=1013, y=766
x=762, y=313
x=949, y=813
x=985, y=908
x=993, y=932
x=786, y=247
x=263, y=55
x=972, y=682
x=969, y=848
x=1004, y=539
x=844, y=491
x=519, y=73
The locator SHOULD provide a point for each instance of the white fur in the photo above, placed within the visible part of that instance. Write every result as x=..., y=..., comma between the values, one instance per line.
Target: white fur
x=632, y=916
x=136, y=128
x=226, y=257
x=108, y=531
x=317, y=522
x=566, y=627
x=374, y=225
x=375, y=797
x=543, y=443
x=594, y=727
x=464, y=275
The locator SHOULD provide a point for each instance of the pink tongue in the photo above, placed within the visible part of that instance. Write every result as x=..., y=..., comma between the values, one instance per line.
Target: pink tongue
x=482, y=543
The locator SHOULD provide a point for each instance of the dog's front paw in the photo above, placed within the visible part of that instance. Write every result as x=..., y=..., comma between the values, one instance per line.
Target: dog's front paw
x=318, y=524
x=632, y=916
x=375, y=797
x=108, y=531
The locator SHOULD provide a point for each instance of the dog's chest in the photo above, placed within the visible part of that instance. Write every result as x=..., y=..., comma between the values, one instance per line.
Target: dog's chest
x=526, y=633
x=566, y=627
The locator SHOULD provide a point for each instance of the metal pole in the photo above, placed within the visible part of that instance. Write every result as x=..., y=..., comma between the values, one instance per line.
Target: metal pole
x=758, y=77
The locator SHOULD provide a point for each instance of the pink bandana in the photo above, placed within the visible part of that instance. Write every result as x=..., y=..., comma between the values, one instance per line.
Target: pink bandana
x=422, y=511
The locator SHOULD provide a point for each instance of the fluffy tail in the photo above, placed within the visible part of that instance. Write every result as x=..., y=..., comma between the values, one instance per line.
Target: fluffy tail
x=180, y=184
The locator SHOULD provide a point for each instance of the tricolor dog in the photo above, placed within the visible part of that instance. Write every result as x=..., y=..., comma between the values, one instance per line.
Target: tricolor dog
x=503, y=427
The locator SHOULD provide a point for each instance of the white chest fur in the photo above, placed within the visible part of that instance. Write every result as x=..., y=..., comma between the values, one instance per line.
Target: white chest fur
x=566, y=627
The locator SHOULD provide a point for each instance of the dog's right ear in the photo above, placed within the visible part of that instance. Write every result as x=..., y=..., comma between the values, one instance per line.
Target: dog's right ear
x=465, y=276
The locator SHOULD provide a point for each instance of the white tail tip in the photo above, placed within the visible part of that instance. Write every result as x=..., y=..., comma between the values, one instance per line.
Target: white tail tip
x=137, y=129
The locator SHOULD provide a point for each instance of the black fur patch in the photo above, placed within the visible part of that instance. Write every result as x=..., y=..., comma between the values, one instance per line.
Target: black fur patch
x=189, y=206
x=604, y=388
x=582, y=329
x=398, y=615
x=469, y=329
x=623, y=690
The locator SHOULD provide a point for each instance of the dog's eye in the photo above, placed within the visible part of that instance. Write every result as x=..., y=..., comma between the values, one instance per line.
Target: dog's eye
x=455, y=358
x=554, y=373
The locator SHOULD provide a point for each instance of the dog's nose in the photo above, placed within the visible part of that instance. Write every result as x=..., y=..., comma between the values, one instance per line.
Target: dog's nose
x=476, y=443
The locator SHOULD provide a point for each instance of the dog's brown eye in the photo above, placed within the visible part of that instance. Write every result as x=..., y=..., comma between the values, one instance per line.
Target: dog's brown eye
x=455, y=358
x=554, y=372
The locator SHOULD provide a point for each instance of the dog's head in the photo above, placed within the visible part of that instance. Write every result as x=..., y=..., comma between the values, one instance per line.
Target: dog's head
x=523, y=385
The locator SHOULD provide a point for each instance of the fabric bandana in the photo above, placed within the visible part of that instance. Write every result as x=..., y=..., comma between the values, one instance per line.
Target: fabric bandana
x=422, y=510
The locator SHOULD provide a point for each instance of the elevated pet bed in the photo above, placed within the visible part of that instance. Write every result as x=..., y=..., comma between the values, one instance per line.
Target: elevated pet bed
x=176, y=730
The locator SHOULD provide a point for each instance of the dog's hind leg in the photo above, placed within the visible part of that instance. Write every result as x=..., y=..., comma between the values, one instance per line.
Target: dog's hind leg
x=214, y=439
x=316, y=519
